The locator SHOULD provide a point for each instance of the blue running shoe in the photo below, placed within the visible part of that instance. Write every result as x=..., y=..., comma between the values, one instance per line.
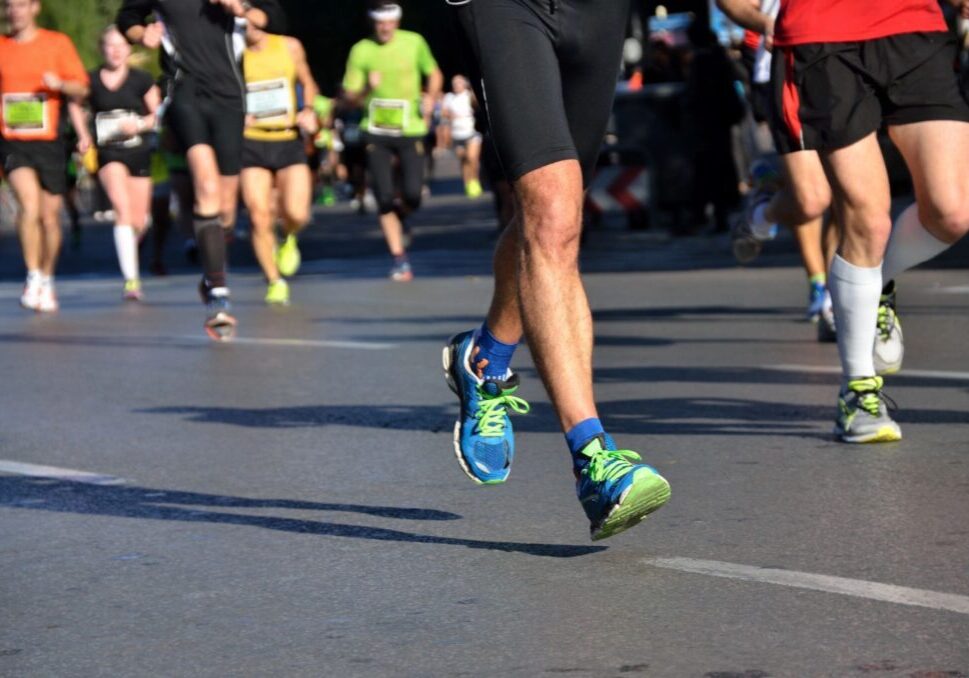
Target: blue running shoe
x=817, y=296
x=615, y=491
x=484, y=441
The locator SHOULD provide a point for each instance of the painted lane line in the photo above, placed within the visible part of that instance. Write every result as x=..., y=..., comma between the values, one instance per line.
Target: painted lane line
x=921, y=374
x=56, y=473
x=858, y=588
x=304, y=343
x=956, y=289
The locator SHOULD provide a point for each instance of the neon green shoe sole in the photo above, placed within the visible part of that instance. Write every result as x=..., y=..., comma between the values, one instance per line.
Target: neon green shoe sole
x=648, y=493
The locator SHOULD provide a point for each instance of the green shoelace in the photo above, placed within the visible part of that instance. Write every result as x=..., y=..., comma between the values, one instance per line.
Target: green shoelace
x=492, y=410
x=869, y=394
x=606, y=465
x=886, y=321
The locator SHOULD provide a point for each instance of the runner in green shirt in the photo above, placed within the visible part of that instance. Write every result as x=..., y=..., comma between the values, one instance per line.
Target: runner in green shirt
x=384, y=77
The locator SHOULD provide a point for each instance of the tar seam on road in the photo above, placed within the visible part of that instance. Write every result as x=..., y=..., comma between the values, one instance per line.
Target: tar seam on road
x=311, y=343
x=57, y=473
x=857, y=588
x=920, y=374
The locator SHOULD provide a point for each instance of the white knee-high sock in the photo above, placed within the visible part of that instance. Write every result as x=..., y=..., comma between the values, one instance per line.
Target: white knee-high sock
x=910, y=245
x=855, y=291
x=127, y=246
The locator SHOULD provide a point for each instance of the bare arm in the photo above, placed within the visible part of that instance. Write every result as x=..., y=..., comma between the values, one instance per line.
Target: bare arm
x=79, y=121
x=306, y=119
x=747, y=15
x=435, y=85
x=962, y=6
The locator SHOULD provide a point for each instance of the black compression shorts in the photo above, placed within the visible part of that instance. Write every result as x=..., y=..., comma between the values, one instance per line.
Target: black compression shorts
x=137, y=160
x=196, y=118
x=830, y=95
x=549, y=70
x=380, y=162
x=47, y=158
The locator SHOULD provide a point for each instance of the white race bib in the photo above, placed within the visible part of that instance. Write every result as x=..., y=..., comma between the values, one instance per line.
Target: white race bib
x=107, y=129
x=270, y=102
x=26, y=113
x=388, y=117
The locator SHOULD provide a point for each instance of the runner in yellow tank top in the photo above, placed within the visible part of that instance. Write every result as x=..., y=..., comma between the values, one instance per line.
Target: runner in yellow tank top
x=276, y=178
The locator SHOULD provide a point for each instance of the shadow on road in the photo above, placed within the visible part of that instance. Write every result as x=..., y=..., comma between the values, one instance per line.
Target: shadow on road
x=139, y=502
x=699, y=415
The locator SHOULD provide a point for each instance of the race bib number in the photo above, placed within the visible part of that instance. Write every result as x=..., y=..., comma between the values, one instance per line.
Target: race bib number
x=107, y=129
x=26, y=113
x=388, y=116
x=270, y=102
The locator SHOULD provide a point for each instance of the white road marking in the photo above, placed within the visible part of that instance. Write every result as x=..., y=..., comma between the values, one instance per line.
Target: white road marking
x=956, y=289
x=858, y=588
x=302, y=343
x=56, y=473
x=832, y=369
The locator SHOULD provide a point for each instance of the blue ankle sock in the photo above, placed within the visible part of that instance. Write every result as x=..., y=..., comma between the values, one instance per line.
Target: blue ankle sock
x=582, y=433
x=497, y=354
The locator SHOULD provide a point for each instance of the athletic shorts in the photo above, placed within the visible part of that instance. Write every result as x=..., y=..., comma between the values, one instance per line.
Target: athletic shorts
x=549, y=68
x=196, y=118
x=463, y=143
x=137, y=160
x=273, y=155
x=47, y=158
x=830, y=95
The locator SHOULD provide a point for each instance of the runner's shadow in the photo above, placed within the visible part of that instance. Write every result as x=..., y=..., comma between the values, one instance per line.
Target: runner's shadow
x=151, y=504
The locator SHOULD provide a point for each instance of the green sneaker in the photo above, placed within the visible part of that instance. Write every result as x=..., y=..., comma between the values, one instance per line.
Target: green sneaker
x=473, y=189
x=863, y=415
x=288, y=257
x=615, y=490
x=277, y=294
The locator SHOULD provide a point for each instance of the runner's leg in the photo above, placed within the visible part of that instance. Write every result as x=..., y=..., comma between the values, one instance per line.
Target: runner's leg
x=296, y=191
x=50, y=217
x=257, y=191
x=935, y=152
x=862, y=201
x=26, y=189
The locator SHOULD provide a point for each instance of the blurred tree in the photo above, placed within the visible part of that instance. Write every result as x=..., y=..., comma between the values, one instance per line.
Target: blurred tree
x=83, y=20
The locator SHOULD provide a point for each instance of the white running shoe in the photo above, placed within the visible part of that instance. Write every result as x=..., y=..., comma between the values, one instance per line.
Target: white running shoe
x=48, y=298
x=889, y=349
x=30, y=299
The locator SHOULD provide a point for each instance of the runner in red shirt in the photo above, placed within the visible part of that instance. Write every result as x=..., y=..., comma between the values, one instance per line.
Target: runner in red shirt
x=39, y=70
x=843, y=69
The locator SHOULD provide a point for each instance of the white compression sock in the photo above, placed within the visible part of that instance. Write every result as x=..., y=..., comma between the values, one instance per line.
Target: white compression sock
x=127, y=246
x=855, y=291
x=910, y=245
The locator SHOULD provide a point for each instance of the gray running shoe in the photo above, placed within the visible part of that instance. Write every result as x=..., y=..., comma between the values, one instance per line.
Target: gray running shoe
x=889, y=347
x=863, y=415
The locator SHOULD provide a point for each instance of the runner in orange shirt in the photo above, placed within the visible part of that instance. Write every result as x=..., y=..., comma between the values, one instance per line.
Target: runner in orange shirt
x=39, y=70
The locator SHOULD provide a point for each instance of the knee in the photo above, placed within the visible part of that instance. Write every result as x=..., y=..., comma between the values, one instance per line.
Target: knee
x=298, y=216
x=552, y=228
x=947, y=221
x=385, y=206
x=28, y=214
x=412, y=199
x=260, y=216
x=812, y=201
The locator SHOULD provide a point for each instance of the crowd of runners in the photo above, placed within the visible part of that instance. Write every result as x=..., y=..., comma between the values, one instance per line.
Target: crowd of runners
x=237, y=110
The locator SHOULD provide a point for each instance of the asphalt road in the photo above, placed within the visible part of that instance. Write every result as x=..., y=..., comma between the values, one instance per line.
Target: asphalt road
x=289, y=505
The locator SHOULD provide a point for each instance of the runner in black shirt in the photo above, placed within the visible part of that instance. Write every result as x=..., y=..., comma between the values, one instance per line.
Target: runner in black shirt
x=206, y=114
x=123, y=102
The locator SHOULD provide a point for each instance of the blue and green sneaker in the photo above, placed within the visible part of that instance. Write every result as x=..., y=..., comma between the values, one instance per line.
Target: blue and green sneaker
x=484, y=441
x=615, y=491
